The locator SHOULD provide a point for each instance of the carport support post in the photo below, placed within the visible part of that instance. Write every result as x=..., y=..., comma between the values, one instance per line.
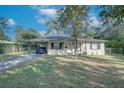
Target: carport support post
x=85, y=48
x=46, y=47
x=35, y=43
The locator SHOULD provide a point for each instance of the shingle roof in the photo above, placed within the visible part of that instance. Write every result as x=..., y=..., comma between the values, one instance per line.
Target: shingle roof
x=63, y=38
x=38, y=40
x=92, y=40
x=59, y=38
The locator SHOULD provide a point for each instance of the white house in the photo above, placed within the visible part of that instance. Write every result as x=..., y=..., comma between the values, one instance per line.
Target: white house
x=65, y=45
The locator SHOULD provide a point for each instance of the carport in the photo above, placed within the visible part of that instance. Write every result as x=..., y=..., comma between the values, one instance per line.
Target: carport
x=33, y=44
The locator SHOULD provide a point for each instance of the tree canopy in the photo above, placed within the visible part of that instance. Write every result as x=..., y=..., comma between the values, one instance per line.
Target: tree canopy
x=72, y=21
x=31, y=34
x=21, y=34
x=112, y=17
x=3, y=28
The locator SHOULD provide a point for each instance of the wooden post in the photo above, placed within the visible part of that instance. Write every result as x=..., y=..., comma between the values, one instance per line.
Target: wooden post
x=80, y=48
x=20, y=48
x=13, y=48
x=28, y=48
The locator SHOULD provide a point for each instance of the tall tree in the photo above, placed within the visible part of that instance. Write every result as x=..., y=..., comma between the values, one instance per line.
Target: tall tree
x=19, y=33
x=25, y=35
x=112, y=17
x=72, y=19
x=3, y=28
x=112, y=13
x=53, y=27
x=31, y=34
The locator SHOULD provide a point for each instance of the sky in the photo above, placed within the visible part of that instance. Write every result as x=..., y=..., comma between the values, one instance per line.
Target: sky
x=34, y=16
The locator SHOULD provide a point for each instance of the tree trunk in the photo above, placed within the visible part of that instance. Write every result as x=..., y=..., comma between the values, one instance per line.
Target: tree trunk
x=76, y=42
x=28, y=48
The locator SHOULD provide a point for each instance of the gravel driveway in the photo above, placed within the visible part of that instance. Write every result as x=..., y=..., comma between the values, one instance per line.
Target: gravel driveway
x=15, y=60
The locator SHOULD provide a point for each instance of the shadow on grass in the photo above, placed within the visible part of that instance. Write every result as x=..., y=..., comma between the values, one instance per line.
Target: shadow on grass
x=63, y=71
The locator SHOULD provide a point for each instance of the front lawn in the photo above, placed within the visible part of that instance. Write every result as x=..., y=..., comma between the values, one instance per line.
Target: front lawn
x=64, y=71
x=4, y=57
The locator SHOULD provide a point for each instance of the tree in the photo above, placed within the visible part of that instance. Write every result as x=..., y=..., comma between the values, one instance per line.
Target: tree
x=90, y=35
x=53, y=27
x=2, y=35
x=112, y=17
x=19, y=33
x=3, y=28
x=30, y=34
x=72, y=20
x=115, y=36
x=22, y=35
x=112, y=13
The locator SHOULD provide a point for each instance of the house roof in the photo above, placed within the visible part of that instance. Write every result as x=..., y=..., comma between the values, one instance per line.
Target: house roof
x=92, y=40
x=38, y=40
x=63, y=38
x=59, y=38
x=51, y=38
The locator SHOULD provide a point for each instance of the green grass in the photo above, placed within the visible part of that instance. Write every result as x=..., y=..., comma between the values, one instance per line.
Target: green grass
x=7, y=56
x=4, y=57
x=65, y=71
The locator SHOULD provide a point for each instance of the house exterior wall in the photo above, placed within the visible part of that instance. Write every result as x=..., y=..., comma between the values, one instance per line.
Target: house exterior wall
x=100, y=51
x=68, y=49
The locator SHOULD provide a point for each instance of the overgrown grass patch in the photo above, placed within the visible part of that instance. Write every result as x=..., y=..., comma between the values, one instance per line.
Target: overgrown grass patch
x=4, y=57
x=66, y=71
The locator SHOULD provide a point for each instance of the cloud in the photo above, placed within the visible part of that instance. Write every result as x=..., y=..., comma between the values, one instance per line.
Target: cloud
x=93, y=20
x=48, y=12
x=40, y=7
x=11, y=22
x=45, y=13
x=42, y=33
x=42, y=21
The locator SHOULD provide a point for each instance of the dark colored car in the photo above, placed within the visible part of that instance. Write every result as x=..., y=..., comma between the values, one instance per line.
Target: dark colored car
x=41, y=50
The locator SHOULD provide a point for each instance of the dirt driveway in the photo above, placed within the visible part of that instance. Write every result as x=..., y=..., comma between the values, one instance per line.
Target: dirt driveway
x=18, y=59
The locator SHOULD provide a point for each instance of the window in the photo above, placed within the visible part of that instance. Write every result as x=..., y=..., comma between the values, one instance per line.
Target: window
x=52, y=45
x=60, y=45
x=66, y=46
x=95, y=46
x=56, y=45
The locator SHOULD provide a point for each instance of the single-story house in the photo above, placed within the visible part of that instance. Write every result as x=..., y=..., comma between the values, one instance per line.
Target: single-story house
x=65, y=45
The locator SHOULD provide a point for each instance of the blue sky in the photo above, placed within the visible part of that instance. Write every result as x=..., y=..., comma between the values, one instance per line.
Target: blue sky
x=32, y=16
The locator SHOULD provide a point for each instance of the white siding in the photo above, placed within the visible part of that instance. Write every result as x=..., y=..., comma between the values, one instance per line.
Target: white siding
x=100, y=51
x=82, y=48
x=64, y=51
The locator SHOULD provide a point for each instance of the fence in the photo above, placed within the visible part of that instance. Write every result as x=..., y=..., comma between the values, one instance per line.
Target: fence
x=12, y=48
x=115, y=50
